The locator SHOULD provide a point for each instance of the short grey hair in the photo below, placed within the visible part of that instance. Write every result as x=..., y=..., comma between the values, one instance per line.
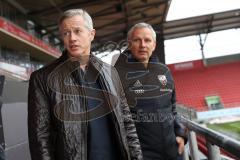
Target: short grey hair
x=74, y=12
x=141, y=25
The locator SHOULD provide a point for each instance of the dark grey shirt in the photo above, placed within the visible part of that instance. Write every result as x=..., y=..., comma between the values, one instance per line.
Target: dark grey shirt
x=101, y=139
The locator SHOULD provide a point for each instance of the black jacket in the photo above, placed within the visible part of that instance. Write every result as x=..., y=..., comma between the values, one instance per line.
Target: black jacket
x=151, y=96
x=57, y=123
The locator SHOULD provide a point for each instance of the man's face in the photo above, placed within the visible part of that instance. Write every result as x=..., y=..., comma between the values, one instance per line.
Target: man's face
x=76, y=37
x=142, y=44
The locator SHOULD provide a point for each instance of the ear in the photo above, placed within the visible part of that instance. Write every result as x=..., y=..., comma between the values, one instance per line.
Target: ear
x=92, y=34
x=129, y=44
x=154, y=45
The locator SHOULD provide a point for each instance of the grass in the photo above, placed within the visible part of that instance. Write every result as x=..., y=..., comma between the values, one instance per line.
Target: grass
x=231, y=129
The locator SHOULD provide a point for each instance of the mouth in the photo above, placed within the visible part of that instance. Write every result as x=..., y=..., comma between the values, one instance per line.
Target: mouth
x=74, y=47
x=143, y=52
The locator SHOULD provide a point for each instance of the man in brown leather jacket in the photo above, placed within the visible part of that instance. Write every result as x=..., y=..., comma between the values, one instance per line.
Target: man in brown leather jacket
x=76, y=105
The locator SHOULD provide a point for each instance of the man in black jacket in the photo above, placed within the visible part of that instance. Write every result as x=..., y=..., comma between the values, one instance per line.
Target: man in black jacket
x=150, y=92
x=76, y=105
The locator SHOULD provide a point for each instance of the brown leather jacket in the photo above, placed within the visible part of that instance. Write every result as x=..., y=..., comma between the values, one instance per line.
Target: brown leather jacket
x=55, y=131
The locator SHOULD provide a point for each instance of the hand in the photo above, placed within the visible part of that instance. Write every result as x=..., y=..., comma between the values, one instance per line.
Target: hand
x=180, y=142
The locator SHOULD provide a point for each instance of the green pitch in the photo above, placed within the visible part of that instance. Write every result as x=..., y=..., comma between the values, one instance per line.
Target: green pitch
x=231, y=129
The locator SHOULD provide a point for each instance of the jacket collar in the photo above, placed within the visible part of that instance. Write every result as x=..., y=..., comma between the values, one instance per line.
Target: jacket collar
x=92, y=59
x=93, y=69
x=127, y=56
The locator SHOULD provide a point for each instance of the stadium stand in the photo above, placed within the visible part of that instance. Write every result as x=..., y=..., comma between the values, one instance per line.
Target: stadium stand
x=195, y=82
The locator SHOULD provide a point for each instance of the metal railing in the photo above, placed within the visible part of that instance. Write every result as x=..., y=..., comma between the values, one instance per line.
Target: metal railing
x=214, y=140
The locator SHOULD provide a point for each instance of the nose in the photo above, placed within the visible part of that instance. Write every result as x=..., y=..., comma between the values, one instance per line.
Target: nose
x=72, y=36
x=143, y=43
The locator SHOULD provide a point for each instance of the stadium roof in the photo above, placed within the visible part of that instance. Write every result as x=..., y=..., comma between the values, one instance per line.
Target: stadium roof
x=201, y=24
x=112, y=19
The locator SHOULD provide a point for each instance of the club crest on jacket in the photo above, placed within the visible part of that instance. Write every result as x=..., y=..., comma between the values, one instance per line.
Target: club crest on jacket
x=162, y=79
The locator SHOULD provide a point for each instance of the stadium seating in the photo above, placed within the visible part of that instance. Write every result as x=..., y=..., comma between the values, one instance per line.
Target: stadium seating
x=195, y=83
